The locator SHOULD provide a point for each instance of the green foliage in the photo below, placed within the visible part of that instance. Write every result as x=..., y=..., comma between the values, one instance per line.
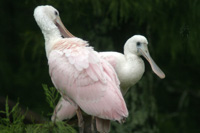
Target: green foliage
x=13, y=122
x=15, y=113
x=16, y=124
x=60, y=127
x=12, y=128
x=52, y=95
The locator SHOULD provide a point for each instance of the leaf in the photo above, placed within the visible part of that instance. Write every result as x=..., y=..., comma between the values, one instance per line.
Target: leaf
x=3, y=112
x=51, y=95
x=14, y=108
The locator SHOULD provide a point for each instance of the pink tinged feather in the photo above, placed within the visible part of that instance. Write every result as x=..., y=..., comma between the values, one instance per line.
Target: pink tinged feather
x=64, y=110
x=93, y=86
x=109, y=70
x=109, y=58
x=103, y=100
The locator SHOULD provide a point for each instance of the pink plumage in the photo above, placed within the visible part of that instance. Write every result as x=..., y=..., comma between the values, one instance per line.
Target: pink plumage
x=86, y=80
x=82, y=77
x=64, y=107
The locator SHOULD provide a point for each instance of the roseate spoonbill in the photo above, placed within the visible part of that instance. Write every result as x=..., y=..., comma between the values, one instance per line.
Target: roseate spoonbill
x=82, y=77
x=129, y=67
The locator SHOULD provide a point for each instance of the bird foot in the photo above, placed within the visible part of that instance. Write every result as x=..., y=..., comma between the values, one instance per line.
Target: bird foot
x=123, y=120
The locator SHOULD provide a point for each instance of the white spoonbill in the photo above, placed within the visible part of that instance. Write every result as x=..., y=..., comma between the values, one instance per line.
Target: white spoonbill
x=81, y=76
x=129, y=67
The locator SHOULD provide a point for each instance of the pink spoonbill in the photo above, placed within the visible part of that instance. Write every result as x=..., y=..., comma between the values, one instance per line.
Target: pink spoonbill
x=82, y=77
x=128, y=66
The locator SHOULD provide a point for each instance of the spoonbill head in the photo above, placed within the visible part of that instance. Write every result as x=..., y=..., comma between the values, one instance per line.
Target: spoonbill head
x=138, y=45
x=48, y=19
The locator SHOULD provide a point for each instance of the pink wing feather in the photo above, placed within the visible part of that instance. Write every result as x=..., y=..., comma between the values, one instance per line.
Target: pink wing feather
x=63, y=110
x=89, y=81
x=109, y=57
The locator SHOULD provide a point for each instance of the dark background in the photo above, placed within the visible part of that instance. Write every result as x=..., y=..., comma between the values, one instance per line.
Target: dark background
x=171, y=27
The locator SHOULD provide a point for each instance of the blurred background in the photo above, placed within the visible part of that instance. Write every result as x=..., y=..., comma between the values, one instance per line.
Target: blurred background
x=171, y=27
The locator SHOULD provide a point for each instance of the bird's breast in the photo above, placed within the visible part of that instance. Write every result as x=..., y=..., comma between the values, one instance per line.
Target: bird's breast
x=130, y=73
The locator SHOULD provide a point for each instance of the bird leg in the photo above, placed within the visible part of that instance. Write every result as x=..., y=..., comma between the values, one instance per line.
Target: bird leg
x=92, y=124
x=80, y=120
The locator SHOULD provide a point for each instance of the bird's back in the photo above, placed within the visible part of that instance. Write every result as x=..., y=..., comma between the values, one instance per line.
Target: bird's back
x=129, y=68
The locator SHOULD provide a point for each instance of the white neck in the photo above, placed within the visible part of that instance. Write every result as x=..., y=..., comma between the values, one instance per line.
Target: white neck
x=51, y=36
x=132, y=71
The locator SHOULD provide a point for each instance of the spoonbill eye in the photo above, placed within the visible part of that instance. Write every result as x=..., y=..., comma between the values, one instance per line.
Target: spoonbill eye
x=138, y=44
x=56, y=13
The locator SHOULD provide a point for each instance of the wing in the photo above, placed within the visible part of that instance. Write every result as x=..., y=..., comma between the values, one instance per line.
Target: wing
x=114, y=58
x=109, y=56
x=82, y=76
